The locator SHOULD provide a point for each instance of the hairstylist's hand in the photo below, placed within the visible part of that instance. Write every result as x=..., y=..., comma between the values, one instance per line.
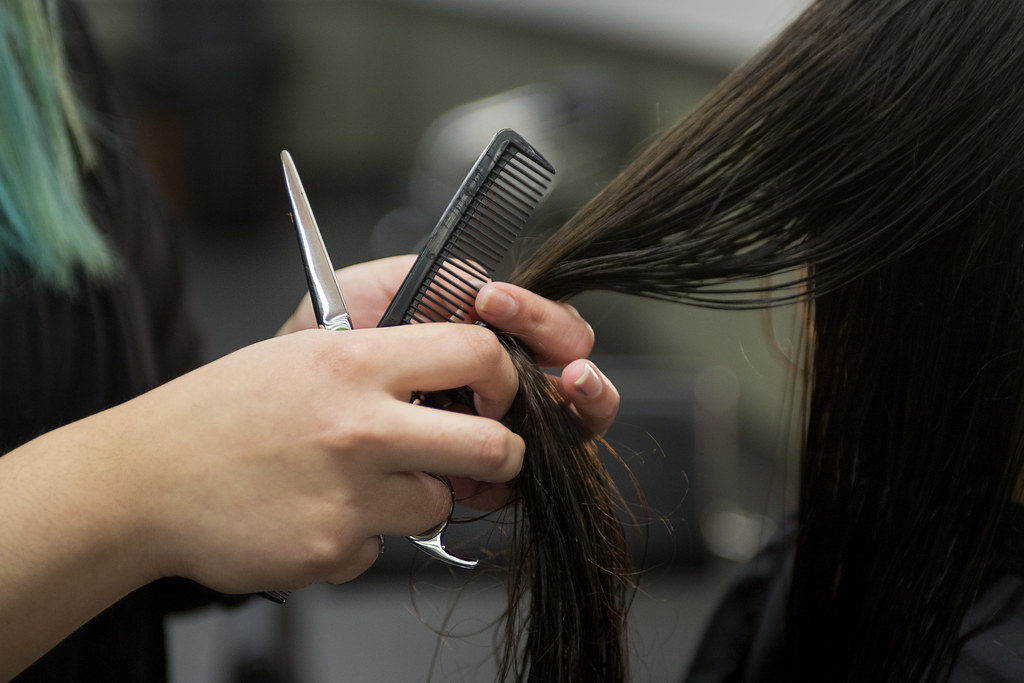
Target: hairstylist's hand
x=555, y=331
x=280, y=465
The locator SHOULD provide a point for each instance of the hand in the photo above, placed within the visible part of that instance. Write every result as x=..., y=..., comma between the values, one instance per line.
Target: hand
x=555, y=331
x=277, y=466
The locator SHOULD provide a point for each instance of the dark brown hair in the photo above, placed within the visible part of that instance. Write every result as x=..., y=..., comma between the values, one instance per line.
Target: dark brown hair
x=873, y=156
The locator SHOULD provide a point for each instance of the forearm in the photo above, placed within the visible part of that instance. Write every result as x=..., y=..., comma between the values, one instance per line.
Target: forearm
x=69, y=546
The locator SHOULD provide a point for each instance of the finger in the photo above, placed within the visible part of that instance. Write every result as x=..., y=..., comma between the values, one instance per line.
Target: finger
x=438, y=356
x=410, y=503
x=420, y=439
x=595, y=399
x=369, y=287
x=555, y=331
x=302, y=319
x=481, y=495
x=361, y=560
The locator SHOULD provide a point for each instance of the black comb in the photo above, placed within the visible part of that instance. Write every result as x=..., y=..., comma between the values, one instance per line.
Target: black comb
x=475, y=232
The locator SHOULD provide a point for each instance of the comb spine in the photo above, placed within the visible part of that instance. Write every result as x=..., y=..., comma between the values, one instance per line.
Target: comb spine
x=414, y=286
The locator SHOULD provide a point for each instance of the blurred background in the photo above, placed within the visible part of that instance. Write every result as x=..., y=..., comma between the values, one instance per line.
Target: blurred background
x=385, y=104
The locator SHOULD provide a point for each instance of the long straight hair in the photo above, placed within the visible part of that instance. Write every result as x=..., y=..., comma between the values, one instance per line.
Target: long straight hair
x=872, y=159
x=45, y=143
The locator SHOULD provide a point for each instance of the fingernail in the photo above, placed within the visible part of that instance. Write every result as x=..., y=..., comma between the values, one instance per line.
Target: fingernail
x=496, y=303
x=589, y=383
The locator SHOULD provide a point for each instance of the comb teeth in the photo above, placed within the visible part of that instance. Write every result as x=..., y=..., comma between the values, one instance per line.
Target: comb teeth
x=475, y=233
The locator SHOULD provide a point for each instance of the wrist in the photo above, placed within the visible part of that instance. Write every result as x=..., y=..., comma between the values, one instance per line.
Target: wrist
x=94, y=474
x=69, y=538
x=115, y=465
x=99, y=475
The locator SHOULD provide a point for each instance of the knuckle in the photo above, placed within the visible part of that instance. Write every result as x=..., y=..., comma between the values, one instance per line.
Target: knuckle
x=363, y=435
x=497, y=452
x=538, y=315
x=325, y=554
x=581, y=340
x=484, y=345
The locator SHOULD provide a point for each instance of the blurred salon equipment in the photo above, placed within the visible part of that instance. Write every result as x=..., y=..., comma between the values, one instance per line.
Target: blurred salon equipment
x=578, y=120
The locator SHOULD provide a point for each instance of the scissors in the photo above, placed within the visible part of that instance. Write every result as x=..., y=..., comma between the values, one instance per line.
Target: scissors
x=332, y=314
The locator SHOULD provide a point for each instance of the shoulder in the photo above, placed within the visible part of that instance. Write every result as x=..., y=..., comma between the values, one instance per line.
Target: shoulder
x=743, y=638
x=994, y=649
x=993, y=630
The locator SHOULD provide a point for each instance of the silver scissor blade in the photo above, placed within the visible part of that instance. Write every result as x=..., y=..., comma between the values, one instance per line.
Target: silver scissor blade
x=328, y=303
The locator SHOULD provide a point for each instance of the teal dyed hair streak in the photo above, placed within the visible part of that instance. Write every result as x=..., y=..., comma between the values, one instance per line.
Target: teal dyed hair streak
x=45, y=225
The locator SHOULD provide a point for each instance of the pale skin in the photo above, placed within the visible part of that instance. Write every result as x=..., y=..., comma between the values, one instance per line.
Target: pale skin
x=276, y=466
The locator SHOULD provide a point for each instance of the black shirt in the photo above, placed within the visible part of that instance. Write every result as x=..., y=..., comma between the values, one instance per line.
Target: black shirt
x=743, y=641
